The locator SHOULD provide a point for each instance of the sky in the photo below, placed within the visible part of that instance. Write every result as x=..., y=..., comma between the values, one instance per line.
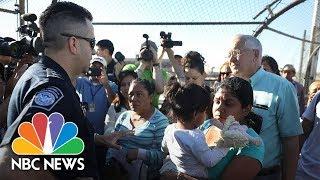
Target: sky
x=211, y=41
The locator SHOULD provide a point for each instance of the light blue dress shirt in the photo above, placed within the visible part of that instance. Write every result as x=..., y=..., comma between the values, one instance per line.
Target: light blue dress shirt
x=276, y=101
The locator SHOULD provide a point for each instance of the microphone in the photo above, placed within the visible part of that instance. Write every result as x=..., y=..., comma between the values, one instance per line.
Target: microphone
x=29, y=17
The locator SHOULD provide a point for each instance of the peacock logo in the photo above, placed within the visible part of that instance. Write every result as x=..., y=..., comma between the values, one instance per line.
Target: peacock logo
x=48, y=136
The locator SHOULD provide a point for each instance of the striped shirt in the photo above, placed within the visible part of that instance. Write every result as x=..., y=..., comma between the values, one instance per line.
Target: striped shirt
x=147, y=137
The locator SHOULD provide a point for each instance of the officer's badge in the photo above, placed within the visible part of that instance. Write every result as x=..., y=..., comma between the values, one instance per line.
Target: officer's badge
x=47, y=98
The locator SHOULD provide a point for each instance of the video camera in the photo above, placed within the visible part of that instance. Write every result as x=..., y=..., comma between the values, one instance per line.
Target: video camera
x=145, y=52
x=29, y=42
x=94, y=71
x=168, y=43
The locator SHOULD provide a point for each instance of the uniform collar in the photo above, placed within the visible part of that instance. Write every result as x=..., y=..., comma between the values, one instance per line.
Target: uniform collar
x=54, y=69
x=256, y=76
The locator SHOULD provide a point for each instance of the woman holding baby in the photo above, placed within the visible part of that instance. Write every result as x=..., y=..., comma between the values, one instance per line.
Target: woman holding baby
x=234, y=97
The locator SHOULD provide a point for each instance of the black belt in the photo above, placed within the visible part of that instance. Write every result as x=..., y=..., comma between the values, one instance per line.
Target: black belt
x=269, y=170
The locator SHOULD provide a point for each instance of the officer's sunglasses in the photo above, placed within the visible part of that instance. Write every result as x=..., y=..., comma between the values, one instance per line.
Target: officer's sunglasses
x=92, y=41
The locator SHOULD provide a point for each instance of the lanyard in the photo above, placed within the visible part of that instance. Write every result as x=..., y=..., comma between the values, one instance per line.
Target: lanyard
x=94, y=93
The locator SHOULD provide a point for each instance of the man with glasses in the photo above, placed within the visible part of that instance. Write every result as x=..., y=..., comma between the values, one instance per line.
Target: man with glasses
x=275, y=100
x=46, y=86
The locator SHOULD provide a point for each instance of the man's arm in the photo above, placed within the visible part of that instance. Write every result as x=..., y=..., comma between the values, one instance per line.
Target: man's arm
x=307, y=126
x=159, y=81
x=177, y=67
x=302, y=100
x=105, y=82
x=157, y=75
x=110, y=94
x=289, y=129
x=290, y=156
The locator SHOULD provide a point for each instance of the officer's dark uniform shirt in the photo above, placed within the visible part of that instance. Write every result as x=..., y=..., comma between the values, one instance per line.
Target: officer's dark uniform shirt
x=49, y=88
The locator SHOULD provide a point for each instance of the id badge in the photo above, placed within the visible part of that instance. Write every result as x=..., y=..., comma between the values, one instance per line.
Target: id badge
x=91, y=107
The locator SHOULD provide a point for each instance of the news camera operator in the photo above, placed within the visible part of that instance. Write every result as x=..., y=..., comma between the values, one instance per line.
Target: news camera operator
x=167, y=44
x=16, y=57
x=13, y=63
x=149, y=67
x=68, y=36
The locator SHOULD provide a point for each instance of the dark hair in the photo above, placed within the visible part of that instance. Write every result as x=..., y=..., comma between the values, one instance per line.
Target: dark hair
x=242, y=90
x=188, y=99
x=120, y=101
x=106, y=44
x=272, y=63
x=194, y=60
x=57, y=18
x=223, y=65
x=177, y=56
x=149, y=86
x=239, y=88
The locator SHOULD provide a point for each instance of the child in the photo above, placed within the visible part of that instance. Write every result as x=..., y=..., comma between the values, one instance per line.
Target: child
x=185, y=143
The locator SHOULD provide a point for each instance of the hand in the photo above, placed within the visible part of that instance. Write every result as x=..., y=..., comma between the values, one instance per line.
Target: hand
x=162, y=50
x=132, y=154
x=155, y=56
x=143, y=65
x=103, y=79
x=110, y=140
x=5, y=59
x=169, y=52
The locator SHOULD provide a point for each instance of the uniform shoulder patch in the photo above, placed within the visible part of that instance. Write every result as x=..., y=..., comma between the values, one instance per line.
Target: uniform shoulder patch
x=47, y=98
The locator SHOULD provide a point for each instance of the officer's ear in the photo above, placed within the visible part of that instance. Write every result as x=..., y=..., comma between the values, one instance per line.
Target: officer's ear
x=73, y=45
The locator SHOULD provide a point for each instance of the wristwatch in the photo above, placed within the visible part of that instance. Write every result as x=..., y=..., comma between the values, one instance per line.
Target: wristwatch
x=155, y=64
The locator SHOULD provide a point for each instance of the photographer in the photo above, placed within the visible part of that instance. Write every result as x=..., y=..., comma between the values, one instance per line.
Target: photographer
x=176, y=60
x=7, y=83
x=149, y=69
x=96, y=93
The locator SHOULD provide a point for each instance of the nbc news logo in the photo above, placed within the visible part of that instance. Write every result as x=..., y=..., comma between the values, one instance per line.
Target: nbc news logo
x=47, y=136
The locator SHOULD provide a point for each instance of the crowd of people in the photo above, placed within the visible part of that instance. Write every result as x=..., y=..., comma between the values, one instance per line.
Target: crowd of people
x=253, y=123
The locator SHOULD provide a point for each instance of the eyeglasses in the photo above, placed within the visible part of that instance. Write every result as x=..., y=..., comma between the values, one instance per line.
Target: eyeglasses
x=236, y=53
x=92, y=41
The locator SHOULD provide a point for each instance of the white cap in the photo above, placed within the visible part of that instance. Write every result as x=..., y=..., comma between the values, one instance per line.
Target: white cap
x=98, y=59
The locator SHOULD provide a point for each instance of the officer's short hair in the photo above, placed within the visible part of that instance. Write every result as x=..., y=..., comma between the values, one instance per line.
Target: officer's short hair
x=58, y=18
x=106, y=44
